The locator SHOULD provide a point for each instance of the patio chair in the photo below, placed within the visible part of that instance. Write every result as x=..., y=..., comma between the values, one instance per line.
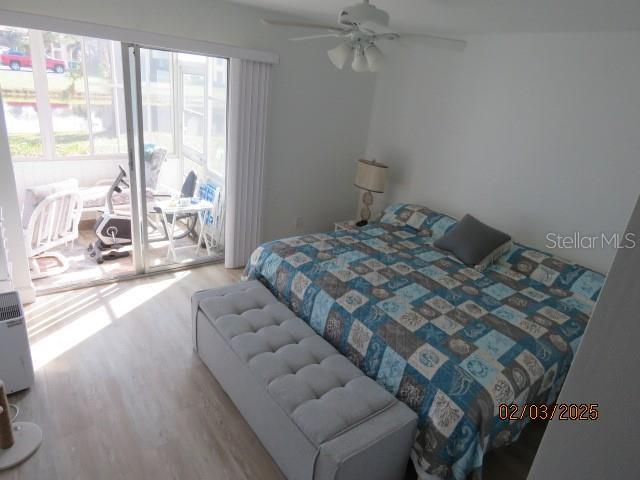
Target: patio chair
x=94, y=198
x=53, y=222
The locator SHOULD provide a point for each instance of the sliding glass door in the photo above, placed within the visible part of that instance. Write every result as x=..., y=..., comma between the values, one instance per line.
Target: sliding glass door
x=135, y=138
x=176, y=111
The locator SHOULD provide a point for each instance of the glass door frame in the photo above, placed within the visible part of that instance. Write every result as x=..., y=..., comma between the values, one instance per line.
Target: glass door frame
x=131, y=65
x=135, y=149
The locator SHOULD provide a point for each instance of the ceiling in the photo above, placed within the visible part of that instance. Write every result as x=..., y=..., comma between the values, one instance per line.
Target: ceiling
x=480, y=16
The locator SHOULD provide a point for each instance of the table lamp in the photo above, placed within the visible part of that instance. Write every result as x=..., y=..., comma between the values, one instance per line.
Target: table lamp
x=371, y=177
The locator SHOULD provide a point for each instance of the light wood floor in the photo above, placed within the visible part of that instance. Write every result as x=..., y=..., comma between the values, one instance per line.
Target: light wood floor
x=120, y=393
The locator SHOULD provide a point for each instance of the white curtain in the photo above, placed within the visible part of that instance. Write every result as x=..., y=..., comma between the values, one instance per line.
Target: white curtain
x=248, y=104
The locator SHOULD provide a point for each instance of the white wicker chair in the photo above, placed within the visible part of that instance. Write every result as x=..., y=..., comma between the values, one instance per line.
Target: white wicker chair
x=54, y=222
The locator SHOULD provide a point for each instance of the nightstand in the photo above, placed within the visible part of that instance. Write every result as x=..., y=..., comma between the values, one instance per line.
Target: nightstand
x=347, y=225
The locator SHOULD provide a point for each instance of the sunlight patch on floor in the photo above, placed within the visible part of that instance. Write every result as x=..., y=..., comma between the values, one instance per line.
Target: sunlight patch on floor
x=90, y=313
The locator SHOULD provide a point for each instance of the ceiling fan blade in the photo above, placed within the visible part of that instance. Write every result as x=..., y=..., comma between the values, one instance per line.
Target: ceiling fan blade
x=385, y=32
x=418, y=36
x=287, y=23
x=312, y=37
x=376, y=29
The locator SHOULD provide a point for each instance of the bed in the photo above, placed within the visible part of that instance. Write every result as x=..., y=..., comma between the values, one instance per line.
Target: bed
x=451, y=342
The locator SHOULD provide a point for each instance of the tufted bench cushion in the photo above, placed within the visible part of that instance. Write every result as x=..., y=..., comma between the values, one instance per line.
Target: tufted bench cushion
x=317, y=414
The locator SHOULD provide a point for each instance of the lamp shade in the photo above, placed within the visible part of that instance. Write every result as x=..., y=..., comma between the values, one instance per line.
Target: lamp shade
x=374, y=57
x=371, y=175
x=359, y=61
x=339, y=55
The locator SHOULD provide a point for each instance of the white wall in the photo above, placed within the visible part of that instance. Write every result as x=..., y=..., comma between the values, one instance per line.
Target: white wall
x=531, y=133
x=318, y=115
x=12, y=223
x=605, y=372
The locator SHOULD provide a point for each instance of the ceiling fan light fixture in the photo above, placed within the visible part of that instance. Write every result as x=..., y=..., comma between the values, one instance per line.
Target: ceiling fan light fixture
x=359, y=61
x=374, y=57
x=339, y=55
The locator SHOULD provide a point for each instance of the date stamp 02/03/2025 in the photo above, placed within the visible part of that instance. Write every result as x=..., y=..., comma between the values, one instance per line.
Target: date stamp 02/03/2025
x=543, y=411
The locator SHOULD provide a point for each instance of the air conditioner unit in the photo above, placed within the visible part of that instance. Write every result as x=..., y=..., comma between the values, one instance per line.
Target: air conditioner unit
x=16, y=367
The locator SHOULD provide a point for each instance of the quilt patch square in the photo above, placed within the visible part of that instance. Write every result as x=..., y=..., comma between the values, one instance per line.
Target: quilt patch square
x=427, y=360
x=403, y=341
x=501, y=391
x=480, y=368
x=534, y=294
x=402, y=268
x=374, y=264
x=432, y=271
x=412, y=292
x=300, y=284
x=375, y=279
x=416, y=220
x=499, y=291
x=351, y=256
x=445, y=414
x=322, y=246
x=352, y=300
x=430, y=255
x=534, y=255
x=322, y=306
x=495, y=343
x=298, y=259
x=472, y=273
x=532, y=328
x=545, y=275
x=344, y=275
x=531, y=364
x=391, y=370
x=448, y=282
x=472, y=308
x=446, y=324
x=509, y=314
x=553, y=314
x=394, y=307
x=359, y=337
x=411, y=320
x=439, y=304
x=588, y=284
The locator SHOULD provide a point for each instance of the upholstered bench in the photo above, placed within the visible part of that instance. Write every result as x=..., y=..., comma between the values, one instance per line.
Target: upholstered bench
x=317, y=414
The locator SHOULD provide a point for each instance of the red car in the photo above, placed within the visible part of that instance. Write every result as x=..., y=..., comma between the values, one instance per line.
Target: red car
x=17, y=60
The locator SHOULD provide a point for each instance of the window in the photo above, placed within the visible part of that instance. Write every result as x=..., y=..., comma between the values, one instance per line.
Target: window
x=203, y=104
x=157, y=98
x=63, y=97
x=19, y=93
x=193, y=115
x=63, y=94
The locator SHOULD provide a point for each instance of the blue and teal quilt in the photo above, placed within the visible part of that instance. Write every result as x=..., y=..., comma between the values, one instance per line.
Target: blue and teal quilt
x=449, y=341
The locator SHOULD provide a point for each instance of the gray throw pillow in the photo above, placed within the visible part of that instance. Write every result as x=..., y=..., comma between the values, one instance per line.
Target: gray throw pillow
x=471, y=241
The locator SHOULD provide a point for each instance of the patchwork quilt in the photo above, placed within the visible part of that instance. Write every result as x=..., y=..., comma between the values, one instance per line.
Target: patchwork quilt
x=450, y=342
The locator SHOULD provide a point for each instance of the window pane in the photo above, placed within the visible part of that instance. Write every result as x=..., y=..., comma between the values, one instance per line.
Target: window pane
x=100, y=77
x=67, y=93
x=157, y=98
x=193, y=134
x=217, y=144
x=193, y=86
x=193, y=104
x=18, y=93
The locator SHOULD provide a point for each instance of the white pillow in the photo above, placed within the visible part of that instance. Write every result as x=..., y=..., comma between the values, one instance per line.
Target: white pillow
x=34, y=195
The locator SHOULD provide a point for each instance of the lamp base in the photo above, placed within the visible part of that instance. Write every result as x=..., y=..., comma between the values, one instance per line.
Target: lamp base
x=361, y=223
x=27, y=439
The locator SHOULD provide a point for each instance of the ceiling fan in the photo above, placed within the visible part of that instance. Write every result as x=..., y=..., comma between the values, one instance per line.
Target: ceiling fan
x=360, y=26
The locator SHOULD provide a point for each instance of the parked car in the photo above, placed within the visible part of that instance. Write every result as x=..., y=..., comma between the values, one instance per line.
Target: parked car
x=16, y=60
